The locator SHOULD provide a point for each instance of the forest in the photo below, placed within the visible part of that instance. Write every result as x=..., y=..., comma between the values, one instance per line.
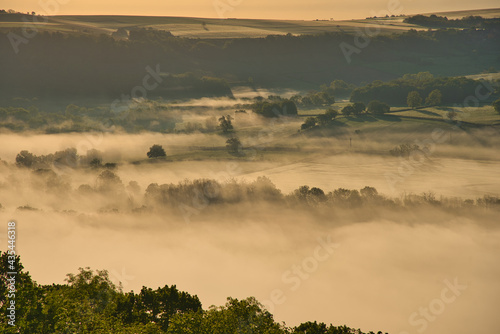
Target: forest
x=46, y=66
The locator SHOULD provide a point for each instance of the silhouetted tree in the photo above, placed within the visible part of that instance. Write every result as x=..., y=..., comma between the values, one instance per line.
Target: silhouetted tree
x=26, y=159
x=225, y=123
x=156, y=151
x=233, y=145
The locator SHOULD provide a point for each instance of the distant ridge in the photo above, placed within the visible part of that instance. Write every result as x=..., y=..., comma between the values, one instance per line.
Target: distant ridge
x=486, y=13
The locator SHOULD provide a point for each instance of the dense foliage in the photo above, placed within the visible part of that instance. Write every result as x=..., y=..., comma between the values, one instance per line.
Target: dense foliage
x=91, y=303
x=396, y=92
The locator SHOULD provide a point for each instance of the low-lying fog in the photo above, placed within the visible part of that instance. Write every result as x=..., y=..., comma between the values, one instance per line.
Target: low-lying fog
x=379, y=274
x=400, y=271
x=461, y=168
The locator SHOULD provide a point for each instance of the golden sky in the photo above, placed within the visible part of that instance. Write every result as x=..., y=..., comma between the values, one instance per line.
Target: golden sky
x=278, y=9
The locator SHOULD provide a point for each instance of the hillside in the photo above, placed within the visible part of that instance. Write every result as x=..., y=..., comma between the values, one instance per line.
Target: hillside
x=221, y=28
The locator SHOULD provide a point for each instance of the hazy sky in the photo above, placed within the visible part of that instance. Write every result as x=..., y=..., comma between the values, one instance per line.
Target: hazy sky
x=279, y=9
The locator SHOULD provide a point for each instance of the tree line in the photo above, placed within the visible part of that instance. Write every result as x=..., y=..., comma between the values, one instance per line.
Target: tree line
x=210, y=192
x=470, y=21
x=395, y=92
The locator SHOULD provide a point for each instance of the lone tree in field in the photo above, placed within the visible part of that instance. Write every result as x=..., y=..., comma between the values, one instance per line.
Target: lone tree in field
x=377, y=107
x=496, y=105
x=225, y=123
x=434, y=98
x=414, y=99
x=156, y=151
x=233, y=145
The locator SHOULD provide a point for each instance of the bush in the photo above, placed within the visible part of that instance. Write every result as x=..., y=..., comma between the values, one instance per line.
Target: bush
x=404, y=150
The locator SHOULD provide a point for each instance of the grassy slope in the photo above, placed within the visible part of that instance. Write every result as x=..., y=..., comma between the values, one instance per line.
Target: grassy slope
x=283, y=140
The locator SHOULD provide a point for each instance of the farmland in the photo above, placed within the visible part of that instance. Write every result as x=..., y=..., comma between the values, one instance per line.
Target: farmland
x=209, y=28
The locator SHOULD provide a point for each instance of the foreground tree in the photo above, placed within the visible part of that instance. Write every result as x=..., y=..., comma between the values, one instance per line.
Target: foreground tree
x=414, y=99
x=90, y=302
x=156, y=151
x=237, y=316
x=28, y=316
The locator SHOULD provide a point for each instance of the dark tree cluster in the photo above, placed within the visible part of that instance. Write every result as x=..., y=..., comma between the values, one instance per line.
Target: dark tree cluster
x=127, y=115
x=405, y=150
x=411, y=87
x=314, y=99
x=271, y=109
x=339, y=88
x=436, y=21
x=354, y=109
x=156, y=151
x=68, y=158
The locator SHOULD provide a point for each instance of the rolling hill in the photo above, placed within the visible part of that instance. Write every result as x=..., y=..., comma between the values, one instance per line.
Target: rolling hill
x=211, y=28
